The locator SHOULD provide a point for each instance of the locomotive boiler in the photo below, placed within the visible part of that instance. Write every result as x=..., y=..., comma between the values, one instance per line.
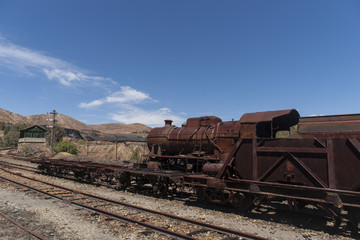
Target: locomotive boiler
x=206, y=142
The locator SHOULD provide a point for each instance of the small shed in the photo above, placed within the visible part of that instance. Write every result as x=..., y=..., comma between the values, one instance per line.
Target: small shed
x=32, y=140
x=35, y=131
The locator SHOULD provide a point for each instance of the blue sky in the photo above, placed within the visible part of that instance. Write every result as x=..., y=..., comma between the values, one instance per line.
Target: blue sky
x=146, y=61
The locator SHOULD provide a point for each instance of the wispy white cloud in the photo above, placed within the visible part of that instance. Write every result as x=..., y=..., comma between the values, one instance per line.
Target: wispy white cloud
x=126, y=95
x=91, y=104
x=123, y=102
x=152, y=118
x=31, y=62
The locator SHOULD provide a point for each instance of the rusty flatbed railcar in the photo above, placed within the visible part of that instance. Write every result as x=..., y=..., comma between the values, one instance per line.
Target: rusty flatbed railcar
x=160, y=181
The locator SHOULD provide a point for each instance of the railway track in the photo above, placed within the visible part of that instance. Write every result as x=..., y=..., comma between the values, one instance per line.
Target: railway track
x=17, y=157
x=166, y=224
x=18, y=166
x=17, y=224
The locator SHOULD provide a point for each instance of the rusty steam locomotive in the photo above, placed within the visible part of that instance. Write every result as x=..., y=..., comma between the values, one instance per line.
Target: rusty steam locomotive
x=264, y=155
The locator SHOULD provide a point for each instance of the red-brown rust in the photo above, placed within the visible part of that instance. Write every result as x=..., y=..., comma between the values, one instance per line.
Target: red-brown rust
x=199, y=135
x=291, y=116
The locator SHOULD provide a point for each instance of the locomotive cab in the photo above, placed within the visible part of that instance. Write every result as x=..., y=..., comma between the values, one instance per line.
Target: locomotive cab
x=268, y=124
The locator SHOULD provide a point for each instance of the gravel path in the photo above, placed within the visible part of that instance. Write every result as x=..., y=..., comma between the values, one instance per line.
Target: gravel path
x=67, y=222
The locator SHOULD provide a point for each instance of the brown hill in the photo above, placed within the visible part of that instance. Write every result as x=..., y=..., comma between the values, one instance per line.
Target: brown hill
x=9, y=117
x=121, y=128
x=69, y=122
x=61, y=120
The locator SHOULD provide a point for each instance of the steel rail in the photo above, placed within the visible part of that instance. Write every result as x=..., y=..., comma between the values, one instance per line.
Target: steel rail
x=207, y=226
x=31, y=169
x=22, y=227
x=109, y=214
x=16, y=157
x=22, y=167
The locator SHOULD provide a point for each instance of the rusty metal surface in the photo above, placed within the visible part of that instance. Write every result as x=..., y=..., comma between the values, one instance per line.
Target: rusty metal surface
x=290, y=115
x=210, y=135
x=330, y=125
x=327, y=163
x=202, y=135
x=212, y=169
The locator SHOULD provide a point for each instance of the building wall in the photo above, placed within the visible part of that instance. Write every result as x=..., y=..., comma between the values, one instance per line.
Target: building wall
x=32, y=146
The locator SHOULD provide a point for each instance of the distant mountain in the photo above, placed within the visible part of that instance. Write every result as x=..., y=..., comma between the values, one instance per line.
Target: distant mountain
x=69, y=122
x=9, y=117
x=121, y=128
x=62, y=120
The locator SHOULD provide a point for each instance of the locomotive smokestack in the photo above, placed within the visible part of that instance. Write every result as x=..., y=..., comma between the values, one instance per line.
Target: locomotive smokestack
x=168, y=123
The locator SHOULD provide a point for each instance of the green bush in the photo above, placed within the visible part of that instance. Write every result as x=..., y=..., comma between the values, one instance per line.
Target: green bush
x=81, y=142
x=2, y=126
x=65, y=146
x=11, y=134
x=11, y=138
x=136, y=154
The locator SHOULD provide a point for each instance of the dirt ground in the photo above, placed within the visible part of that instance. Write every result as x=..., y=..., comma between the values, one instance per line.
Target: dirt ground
x=59, y=220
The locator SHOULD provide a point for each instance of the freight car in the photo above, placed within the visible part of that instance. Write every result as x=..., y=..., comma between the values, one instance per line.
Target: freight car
x=262, y=156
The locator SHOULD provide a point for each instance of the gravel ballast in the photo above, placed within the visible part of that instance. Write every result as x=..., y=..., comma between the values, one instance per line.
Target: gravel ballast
x=64, y=221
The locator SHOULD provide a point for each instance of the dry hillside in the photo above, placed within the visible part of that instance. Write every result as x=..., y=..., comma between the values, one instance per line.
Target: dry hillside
x=121, y=128
x=69, y=122
x=9, y=117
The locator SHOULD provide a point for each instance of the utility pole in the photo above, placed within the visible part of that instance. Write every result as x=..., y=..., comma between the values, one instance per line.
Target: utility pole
x=52, y=130
x=116, y=149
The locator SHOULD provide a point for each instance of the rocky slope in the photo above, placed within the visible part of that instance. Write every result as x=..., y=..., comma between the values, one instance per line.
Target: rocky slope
x=121, y=128
x=69, y=122
x=9, y=117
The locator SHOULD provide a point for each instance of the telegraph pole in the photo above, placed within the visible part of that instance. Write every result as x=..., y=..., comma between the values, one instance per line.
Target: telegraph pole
x=52, y=130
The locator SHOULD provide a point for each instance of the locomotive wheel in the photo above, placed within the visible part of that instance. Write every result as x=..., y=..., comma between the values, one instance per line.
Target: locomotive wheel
x=218, y=196
x=241, y=201
x=334, y=213
x=201, y=194
x=163, y=188
x=160, y=187
x=295, y=204
x=140, y=181
x=79, y=175
x=90, y=178
x=123, y=181
x=173, y=187
x=48, y=171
